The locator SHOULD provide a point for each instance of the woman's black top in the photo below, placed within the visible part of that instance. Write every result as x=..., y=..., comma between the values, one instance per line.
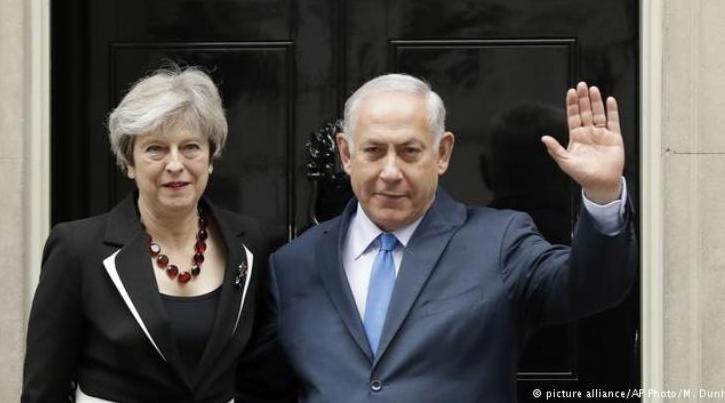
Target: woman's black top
x=192, y=319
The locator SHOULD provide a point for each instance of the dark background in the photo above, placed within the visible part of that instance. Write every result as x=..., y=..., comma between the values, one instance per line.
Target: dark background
x=285, y=68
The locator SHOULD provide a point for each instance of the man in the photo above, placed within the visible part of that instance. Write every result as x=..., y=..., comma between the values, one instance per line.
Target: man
x=409, y=296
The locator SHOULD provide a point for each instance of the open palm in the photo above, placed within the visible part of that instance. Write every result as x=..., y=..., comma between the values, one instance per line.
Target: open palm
x=594, y=157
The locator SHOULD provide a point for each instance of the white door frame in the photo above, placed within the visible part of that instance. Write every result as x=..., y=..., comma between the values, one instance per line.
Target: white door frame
x=652, y=196
x=36, y=172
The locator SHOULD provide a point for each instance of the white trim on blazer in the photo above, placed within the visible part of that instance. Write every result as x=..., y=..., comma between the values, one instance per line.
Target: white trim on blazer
x=250, y=264
x=84, y=398
x=110, y=265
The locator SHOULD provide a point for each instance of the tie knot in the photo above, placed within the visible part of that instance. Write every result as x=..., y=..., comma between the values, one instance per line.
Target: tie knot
x=388, y=241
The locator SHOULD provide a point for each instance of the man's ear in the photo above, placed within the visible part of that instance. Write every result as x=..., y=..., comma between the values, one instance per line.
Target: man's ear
x=344, y=147
x=445, y=149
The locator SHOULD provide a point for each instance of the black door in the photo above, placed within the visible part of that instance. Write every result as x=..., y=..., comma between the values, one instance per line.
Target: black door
x=285, y=68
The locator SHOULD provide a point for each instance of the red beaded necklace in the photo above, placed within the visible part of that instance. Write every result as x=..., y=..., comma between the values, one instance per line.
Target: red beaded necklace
x=172, y=270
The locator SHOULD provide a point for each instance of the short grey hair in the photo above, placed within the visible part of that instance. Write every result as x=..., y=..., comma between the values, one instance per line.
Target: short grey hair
x=163, y=99
x=401, y=83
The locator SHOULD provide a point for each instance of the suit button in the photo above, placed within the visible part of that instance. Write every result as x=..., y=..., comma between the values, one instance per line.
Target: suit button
x=376, y=385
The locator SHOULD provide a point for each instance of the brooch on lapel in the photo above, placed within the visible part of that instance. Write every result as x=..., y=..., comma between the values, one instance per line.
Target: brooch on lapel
x=241, y=276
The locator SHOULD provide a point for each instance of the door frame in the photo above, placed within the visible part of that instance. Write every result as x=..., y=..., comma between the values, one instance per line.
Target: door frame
x=651, y=209
x=36, y=170
x=37, y=175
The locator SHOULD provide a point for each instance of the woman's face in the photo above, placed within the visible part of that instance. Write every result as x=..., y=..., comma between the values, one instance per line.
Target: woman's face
x=171, y=169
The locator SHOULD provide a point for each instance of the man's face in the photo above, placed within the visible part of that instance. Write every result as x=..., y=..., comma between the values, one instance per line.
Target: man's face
x=392, y=162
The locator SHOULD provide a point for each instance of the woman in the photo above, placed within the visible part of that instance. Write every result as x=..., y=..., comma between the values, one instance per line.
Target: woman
x=154, y=300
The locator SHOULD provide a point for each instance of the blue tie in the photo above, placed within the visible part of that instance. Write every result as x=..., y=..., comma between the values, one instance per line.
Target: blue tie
x=382, y=281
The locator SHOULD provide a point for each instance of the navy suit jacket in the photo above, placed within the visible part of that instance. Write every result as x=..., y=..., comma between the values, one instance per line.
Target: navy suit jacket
x=473, y=282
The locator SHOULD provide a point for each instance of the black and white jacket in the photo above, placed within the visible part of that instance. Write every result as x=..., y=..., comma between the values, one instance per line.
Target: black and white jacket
x=97, y=320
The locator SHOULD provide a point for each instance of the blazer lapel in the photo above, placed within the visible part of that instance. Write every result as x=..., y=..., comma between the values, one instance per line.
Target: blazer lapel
x=234, y=297
x=420, y=258
x=328, y=253
x=132, y=274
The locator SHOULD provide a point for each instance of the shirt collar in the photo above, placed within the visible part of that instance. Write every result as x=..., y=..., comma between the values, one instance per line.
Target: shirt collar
x=362, y=232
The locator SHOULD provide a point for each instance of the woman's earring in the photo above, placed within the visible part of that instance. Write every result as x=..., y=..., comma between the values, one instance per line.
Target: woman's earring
x=211, y=169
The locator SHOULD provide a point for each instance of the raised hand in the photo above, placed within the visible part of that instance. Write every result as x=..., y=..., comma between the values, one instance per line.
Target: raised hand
x=594, y=157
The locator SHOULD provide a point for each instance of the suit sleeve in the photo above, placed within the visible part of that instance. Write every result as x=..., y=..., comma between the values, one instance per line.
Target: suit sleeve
x=264, y=374
x=55, y=327
x=555, y=283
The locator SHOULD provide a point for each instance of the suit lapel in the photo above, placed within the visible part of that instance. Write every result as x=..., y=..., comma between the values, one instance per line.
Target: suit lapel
x=328, y=253
x=132, y=274
x=420, y=258
x=234, y=294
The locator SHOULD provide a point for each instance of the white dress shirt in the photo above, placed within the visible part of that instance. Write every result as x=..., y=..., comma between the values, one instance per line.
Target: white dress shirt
x=361, y=245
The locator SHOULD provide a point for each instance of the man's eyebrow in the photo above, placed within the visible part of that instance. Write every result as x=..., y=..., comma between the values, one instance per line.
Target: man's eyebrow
x=406, y=143
x=411, y=142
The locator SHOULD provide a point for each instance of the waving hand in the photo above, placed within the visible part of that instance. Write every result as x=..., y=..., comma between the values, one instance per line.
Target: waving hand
x=594, y=157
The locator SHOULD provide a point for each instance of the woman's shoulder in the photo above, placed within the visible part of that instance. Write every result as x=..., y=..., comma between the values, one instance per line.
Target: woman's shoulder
x=86, y=222
x=81, y=231
x=118, y=221
x=235, y=220
x=245, y=228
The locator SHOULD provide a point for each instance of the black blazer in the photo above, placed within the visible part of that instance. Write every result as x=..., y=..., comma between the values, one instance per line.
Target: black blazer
x=97, y=318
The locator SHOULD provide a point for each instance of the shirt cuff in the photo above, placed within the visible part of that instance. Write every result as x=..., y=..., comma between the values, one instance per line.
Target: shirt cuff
x=608, y=218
